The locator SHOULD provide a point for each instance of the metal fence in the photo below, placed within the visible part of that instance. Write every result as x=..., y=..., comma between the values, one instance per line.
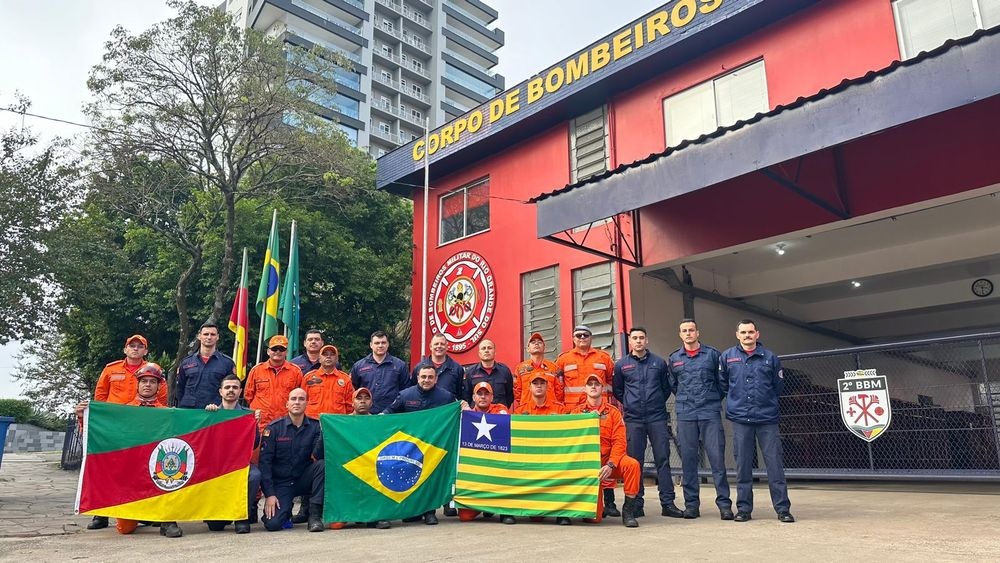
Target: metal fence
x=945, y=402
x=72, y=452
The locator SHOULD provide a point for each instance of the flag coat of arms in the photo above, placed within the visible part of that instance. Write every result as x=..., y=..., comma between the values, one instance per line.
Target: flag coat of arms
x=159, y=464
x=525, y=465
x=388, y=467
x=865, y=406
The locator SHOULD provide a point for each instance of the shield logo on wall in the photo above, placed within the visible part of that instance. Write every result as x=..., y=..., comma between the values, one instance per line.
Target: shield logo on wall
x=865, y=407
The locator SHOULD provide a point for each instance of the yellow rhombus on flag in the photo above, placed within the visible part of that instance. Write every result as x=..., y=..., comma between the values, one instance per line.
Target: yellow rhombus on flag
x=366, y=466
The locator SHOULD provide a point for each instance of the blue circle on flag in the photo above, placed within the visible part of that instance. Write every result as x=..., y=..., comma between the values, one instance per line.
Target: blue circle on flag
x=399, y=466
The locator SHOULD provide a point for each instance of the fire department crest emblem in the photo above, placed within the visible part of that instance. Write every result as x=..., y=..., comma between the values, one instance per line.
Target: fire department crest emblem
x=171, y=464
x=864, y=403
x=462, y=300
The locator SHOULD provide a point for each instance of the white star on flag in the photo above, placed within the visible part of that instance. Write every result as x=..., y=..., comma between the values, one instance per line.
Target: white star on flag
x=483, y=428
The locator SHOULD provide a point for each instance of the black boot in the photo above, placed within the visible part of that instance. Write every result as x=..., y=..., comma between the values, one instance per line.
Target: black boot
x=171, y=530
x=303, y=514
x=628, y=513
x=316, y=518
x=610, y=509
x=98, y=523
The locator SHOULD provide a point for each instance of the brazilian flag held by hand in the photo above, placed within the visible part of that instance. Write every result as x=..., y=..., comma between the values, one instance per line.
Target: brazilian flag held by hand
x=388, y=467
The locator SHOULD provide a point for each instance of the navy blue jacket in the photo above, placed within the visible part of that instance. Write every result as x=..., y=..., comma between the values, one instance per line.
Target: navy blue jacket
x=198, y=382
x=500, y=379
x=697, y=384
x=384, y=380
x=287, y=451
x=754, y=383
x=450, y=374
x=302, y=360
x=413, y=399
x=642, y=387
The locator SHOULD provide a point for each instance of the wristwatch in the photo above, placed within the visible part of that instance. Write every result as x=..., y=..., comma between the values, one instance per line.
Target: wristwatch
x=612, y=465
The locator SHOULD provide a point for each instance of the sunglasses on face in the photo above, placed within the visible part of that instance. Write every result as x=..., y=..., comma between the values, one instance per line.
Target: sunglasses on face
x=581, y=336
x=278, y=349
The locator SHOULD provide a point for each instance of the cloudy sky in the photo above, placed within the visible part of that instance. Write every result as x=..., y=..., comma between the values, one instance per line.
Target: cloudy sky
x=48, y=47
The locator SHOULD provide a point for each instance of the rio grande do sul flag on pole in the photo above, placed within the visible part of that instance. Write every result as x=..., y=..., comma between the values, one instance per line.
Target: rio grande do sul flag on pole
x=525, y=465
x=388, y=467
x=159, y=464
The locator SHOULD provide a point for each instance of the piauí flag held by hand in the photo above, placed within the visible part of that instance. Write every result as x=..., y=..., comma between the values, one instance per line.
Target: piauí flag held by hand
x=290, y=294
x=529, y=465
x=388, y=467
x=239, y=322
x=161, y=464
x=267, y=293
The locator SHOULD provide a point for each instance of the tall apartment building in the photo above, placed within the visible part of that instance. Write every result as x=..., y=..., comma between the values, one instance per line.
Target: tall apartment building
x=413, y=59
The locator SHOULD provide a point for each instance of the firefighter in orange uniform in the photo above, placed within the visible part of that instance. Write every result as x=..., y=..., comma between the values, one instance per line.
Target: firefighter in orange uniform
x=614, y=463
x=269, y=383
x=117, y=384
x=574, y=367
x=536, y=363
x=539, y=402
x=482, y=398
x=149, y=381
x=329, y=389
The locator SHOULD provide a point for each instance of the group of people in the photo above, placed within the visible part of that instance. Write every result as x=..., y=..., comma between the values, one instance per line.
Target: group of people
x=630, y=396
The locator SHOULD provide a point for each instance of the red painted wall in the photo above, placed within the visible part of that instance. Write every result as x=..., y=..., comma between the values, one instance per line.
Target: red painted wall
x=814, y=49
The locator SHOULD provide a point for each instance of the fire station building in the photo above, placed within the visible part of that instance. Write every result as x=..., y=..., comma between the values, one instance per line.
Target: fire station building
x=829, y=169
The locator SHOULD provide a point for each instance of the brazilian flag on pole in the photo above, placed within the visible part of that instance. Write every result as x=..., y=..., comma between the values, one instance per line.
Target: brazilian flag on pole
x=267, y=293
x=391, y=466
x=290, y=294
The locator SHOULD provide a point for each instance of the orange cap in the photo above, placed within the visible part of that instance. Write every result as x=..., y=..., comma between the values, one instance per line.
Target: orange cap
x=277, y=340
x=536, y=336
x=329, y=347
x=482, y=385
x=593, y=376
x=138, y=337
x=150, y=369
x=361, y=390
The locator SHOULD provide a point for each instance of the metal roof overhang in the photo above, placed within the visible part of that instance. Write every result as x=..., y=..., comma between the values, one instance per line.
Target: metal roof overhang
x=956, y=75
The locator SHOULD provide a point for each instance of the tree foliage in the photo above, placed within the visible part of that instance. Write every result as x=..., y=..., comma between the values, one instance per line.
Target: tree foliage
x=193, y=118
x=35, y=193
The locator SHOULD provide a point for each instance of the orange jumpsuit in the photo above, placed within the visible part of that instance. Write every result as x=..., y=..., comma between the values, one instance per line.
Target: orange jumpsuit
x=548, y=407
x=328, y=392
x=267, y=390
x=525, y=372
x=613, y=447
x=117, y=384
x=574, y=368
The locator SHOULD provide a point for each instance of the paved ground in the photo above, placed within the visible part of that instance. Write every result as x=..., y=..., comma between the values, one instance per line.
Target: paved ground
x=837, y=522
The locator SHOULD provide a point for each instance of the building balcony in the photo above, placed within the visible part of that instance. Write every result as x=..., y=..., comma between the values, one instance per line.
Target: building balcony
x=407, y=12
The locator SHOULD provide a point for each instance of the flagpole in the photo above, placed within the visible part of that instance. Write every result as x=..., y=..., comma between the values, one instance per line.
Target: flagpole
x=243, y=275
x=292, y=243
x=260, y=335
x=423, y=283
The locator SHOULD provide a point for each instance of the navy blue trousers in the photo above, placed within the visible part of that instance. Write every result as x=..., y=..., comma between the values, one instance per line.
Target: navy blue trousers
x=637, y=434
x=710, y=433
x=745, y=439
x=309, y=484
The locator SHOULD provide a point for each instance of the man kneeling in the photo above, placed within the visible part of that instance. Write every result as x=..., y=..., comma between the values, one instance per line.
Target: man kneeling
x=614, y=463
x=287, y=469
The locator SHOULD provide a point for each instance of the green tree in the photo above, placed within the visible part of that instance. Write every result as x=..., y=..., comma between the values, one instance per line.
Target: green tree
x=35, y=193
x=193, y=118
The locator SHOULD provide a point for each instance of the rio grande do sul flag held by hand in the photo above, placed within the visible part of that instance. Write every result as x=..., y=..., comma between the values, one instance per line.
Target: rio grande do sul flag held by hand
x=160, y=464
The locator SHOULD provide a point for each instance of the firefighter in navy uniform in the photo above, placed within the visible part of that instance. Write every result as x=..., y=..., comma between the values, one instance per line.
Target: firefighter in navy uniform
x=698, y=390
x=755, y=381
x=291, y=464
x=641, y=383
x=422, y=396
